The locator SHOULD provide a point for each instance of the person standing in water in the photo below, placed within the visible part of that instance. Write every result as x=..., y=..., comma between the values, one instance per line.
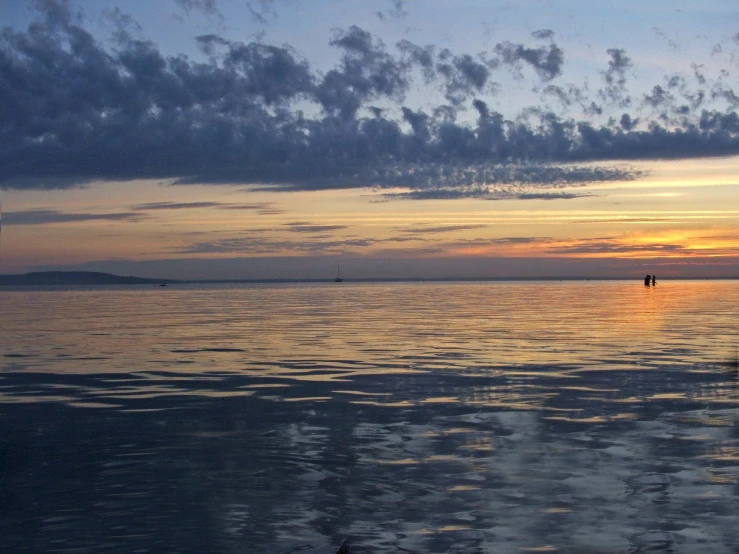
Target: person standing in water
x=654, y=280
x=647, y=280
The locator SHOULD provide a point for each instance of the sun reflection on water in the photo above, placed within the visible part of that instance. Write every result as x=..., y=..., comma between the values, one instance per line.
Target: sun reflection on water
x=426, y=417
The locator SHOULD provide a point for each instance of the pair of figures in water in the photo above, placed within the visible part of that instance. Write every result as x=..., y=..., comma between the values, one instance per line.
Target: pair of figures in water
x=650, y=280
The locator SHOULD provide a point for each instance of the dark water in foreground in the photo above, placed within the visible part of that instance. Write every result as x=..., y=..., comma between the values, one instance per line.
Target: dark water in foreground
x=455, y=417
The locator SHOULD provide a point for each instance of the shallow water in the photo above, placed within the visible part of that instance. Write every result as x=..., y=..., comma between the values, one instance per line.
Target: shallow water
x=423, y=417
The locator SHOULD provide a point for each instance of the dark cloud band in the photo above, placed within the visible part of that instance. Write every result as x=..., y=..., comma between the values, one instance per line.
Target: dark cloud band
x=74, y=112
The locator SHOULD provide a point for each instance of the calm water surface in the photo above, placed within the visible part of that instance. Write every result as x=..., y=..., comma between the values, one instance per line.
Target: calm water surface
x=412, y=417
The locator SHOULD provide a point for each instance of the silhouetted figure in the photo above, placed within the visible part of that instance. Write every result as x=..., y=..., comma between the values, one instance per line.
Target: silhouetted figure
x=647, y=280
x=654, y=280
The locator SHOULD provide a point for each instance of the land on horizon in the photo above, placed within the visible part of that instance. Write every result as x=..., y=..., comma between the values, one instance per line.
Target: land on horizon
x=70, y=278
x=75, y=278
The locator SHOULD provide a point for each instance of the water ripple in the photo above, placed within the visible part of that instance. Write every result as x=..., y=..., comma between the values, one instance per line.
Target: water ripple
x=506, y=417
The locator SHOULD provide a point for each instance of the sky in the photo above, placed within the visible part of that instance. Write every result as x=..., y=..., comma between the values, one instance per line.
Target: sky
x=275, y=139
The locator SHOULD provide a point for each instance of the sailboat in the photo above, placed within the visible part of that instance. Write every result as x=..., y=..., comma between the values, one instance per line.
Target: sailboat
x=338, y=274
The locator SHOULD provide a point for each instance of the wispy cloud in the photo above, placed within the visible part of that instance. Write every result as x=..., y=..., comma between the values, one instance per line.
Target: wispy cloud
x=423, y=230
x=266, y=245
x=204, y=7
x=154, y=206
x=302, y=227
x=262, y=208
x=615, y=246
x=549, y=195
x=42, y=217
x=396, y=11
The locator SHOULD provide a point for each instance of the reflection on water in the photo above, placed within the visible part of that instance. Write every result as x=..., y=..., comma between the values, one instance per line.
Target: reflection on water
x=505, y=417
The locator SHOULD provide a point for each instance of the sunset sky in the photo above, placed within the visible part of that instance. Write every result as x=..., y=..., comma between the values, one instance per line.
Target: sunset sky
x=235, y=139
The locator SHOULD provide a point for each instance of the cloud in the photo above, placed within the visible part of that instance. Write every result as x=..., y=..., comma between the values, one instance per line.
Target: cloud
x=57, y=13
x=205, y=6
x=261, y=208
x=520, y=240
x=422, y=230
x=125, y=26
x=549, y=195
x=396, y=11
x=262, y=245
x=268, y=74
x=565, y=95
x=42, y=217
x=420, y=56
x=481, y=193
x=657, y=97
x=463, y=76
x=226, y=246
x=615, y=90
x=301, y=227
x=727, y=94
x=367, y=72
x=661, y=34
x=455, y=193
x=176, y=205
x=613, y=246
x=262, y=10
x=546, y=61
x=543, y=34
x=617, y=66
x=210, y=43
x=208, y=8
x=259, y=114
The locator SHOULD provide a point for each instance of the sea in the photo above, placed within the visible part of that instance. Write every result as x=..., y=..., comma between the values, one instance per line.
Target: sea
x=408, y=417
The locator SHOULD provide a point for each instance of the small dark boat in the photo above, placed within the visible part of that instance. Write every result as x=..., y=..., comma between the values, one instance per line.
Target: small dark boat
x=338, y=274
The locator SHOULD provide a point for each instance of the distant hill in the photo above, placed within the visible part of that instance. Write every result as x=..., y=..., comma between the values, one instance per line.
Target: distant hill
x=75, y=278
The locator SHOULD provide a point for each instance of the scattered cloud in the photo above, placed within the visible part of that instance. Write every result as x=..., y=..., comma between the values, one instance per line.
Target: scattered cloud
x=396, y=11
x=262, y=10
x=208, y=8
x=423, y=230
x=549, y=195
x=301, y=227
x=463, y=76
x=175, y=205
x=257, y=244
x=134, y=113
x=543, y=34
x=615, y=90
x=42, y=217
x=616, y=246
x=520, y=240
x=261, y=208
x=546, y=60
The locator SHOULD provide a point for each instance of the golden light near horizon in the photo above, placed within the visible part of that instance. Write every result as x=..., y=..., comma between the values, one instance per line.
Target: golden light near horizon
x=628, y=226
x=370, y=141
